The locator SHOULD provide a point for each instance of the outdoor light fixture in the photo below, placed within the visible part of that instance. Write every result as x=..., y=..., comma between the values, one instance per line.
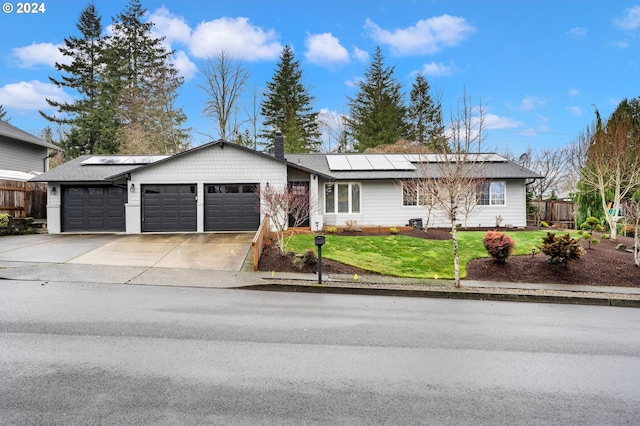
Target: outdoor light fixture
x=53, y=190
x=319, y=240
x=133, y=187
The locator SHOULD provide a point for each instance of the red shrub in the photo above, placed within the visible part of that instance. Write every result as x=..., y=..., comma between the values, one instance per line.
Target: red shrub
x=499, y=245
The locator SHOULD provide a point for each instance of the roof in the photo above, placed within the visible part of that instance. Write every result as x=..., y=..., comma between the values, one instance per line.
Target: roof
x=94, y=168
x=12, y=132
x=75, y=171
x=494, y=166
x=17, y=176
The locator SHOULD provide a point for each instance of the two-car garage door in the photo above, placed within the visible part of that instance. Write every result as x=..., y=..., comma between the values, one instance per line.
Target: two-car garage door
x=173, y=208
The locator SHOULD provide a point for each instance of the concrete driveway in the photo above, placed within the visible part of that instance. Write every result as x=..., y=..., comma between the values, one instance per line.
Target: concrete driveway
x=221, y=252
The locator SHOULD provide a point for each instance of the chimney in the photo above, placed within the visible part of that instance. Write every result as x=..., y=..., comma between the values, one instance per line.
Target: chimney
x=278, y=145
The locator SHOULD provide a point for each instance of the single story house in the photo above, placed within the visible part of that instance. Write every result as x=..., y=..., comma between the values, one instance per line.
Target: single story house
x=214, y=187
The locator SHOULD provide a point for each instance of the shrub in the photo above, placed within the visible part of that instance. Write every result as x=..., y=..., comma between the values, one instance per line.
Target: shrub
x=332, y=229
x=393, y=231
x=562, y=249
x=544, y=224
x=499, y=245
x=351, y=225
x=4, y=220
x=309, y=257
x=591, y=224
x=627, y=231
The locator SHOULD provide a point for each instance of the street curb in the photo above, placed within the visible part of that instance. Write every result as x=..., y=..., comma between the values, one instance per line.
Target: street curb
x=450, y=294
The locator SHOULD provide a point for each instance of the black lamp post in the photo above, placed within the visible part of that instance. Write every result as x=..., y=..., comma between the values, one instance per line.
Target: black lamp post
x=319, y=240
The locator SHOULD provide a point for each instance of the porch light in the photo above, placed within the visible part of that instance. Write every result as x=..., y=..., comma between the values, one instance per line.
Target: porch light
x=53, y=190
x=132, y=187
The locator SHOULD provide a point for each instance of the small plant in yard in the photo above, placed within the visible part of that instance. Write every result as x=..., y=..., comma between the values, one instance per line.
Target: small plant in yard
x=351, y=225
x=500, y=246
x=562, y=249
x=588, y=237
x=309, y=257
x=393, y=231
x=544, y=224
x=4, y=220
x=591, y=225
x=332, y=230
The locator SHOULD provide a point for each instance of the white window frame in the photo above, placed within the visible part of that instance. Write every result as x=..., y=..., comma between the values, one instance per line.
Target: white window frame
x=350, y=186
x=492, y=192
x=419, y=196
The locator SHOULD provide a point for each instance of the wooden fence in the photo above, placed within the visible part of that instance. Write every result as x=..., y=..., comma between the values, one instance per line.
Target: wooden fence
x=556, y=212
x=258, y=240
x=23, y=199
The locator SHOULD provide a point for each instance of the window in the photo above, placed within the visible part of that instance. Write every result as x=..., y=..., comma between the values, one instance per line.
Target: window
x=342, y=198
x=491, y=193
x=413, y=197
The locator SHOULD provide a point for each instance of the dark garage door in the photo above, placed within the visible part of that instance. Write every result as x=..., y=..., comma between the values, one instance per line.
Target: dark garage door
x=231, y=207
x=169, y=208
x=93, y=209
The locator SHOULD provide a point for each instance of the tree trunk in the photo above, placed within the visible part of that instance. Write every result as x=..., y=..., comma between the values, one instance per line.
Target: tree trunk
x=456, y=254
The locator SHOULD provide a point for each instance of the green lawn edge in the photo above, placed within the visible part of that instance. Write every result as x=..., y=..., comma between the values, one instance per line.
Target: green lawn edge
x=409, y=257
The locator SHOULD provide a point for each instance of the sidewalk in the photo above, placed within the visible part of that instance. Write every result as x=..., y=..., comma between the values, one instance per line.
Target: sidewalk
x=343, y=284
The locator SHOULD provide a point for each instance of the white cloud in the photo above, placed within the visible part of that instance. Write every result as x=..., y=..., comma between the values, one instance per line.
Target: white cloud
x=183, y=64
x=172, y=27
x=495, y=122
x=574, y=110
x=236, y=36
x=631, y=19
x=574, y=92
x=577, y=32
x=31, y=95
x=529, y=103
x=40, y=54
x=439, y=69
x=360, y=55
x=427, y=36
x=325, y=50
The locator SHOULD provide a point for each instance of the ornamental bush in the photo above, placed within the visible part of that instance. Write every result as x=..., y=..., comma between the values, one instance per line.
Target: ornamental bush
x=562, y=249
x=500, y=246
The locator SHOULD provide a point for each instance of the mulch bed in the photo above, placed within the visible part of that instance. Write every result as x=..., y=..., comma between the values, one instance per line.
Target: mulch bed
x=602, y=265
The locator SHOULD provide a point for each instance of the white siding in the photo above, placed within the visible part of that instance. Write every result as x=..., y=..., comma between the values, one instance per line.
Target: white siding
x=382, y=206
x=210, y=165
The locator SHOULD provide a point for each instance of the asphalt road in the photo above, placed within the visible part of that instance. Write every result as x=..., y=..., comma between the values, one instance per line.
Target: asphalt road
x=114, y=354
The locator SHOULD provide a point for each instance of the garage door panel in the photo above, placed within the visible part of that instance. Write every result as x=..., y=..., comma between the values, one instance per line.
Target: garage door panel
x=93, y=209
x=231, y=207
x=169, y=208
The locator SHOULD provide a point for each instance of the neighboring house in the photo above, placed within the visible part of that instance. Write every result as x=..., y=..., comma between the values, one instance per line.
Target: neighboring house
x=23, y=152
x=213, y=187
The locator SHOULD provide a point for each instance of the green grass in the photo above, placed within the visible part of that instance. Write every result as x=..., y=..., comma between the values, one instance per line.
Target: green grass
x=402, y=256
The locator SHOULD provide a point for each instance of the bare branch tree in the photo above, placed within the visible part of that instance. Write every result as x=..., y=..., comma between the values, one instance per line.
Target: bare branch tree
x=553, y=165
x=632, y=213
x=452, y=176
x=224, y=82
x=281, y=202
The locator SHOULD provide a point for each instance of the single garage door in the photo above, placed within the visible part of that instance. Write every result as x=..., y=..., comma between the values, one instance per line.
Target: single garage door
x=93, y=209
x=169, y=208
x=231, y=207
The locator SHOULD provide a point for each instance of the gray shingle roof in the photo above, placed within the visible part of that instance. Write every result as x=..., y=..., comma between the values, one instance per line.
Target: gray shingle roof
x=74, y=171
x=12, y=132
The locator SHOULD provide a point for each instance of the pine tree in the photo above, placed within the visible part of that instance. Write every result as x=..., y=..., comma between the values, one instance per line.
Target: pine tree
x=3, y=114
x=287, y=106
x=377, y=113
x=141, y=71
x=425, y=117
x=90, y=130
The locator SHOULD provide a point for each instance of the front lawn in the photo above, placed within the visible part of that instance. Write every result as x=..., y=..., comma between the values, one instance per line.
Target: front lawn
x=408, y=257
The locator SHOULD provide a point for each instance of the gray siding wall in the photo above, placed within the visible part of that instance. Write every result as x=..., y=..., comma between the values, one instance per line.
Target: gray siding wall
x=381, y=203
x=21, y=156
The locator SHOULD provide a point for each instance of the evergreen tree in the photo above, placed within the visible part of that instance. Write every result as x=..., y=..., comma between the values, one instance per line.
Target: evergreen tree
x=287, y=106
x=425, y=117
x=90, y=130
x=377, y=113
x=3, y=114
x=141, y=72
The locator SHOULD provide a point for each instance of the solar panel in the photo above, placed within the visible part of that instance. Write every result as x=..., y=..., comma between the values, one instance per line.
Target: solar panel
x=379, y=162
x=122, y=159
x=338, y=162
x=359, y=162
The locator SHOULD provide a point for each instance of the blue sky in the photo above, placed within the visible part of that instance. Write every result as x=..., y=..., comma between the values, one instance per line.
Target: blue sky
x=539, y=67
